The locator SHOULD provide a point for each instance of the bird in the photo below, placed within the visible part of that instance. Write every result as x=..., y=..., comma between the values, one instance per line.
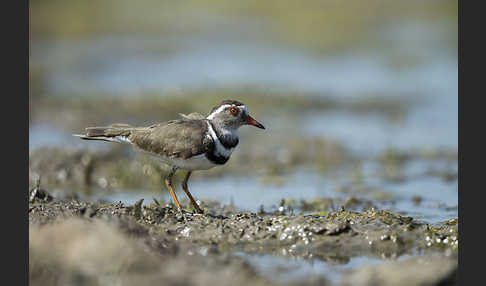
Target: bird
x=193, y=142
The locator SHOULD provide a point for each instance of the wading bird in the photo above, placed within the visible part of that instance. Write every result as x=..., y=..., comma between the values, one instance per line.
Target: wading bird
x=192, y=143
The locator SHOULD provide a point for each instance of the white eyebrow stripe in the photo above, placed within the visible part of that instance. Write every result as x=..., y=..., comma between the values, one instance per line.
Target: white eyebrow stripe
x=221, y=108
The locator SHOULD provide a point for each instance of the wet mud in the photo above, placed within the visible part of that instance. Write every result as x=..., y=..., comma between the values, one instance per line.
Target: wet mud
x=94, y=243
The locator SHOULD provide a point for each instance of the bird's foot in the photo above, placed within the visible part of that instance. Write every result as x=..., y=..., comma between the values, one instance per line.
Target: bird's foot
x=196, y=210
x=181, y=213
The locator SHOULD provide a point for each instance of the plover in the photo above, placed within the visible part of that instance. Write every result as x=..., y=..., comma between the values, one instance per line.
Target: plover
x=191, y=143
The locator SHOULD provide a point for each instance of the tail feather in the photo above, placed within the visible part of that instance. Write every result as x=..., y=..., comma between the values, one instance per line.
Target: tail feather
x=101, y=138
x=114, y=133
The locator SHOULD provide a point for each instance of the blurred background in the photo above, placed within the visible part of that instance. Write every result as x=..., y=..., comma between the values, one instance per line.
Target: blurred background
x=359, y=99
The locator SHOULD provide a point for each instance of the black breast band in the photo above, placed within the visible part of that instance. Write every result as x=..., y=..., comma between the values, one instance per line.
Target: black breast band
x=216, y=158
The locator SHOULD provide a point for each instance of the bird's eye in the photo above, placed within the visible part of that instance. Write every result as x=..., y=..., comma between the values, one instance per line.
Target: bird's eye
x=234, y=111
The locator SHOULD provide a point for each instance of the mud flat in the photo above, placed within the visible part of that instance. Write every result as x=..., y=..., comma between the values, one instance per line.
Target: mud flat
x=147, y=243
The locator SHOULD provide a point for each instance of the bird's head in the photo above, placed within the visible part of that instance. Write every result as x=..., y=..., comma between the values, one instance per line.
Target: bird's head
x=232, y=114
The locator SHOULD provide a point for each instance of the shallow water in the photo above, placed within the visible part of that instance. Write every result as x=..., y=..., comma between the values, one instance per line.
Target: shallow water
x=428, y=126
x=291, y=269
x=439, y=199
x=128, y=65
x=45, y=135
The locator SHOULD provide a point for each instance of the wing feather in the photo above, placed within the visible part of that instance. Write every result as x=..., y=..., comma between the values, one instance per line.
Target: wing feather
x=182, y=138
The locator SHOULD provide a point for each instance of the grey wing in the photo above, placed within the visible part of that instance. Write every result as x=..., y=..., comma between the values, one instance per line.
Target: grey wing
x=176, y=139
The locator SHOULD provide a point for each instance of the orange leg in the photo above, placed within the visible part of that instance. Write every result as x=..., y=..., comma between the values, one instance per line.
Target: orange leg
x=168, y=183
x=186, y=190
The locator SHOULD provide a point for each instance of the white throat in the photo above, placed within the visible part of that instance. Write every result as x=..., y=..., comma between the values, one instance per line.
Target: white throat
x=220, y=149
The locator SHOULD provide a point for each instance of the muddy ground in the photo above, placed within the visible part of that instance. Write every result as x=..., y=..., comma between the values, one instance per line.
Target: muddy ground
x=87, y=243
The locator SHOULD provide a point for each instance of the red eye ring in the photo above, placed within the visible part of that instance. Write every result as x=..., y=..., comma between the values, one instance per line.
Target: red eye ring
x=234, y=111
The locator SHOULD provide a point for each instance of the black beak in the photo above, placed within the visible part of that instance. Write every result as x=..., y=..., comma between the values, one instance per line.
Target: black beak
x=251, y=121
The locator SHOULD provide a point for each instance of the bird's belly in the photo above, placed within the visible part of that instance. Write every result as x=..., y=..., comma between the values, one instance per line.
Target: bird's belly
x=199, y=162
